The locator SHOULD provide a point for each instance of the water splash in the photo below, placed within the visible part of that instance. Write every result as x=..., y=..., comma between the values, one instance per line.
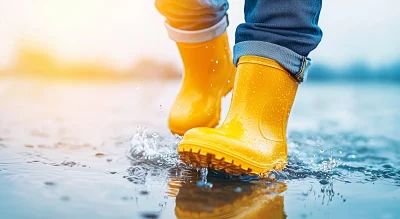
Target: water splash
x=311, y=155
x=153, y=148
x=347, y=159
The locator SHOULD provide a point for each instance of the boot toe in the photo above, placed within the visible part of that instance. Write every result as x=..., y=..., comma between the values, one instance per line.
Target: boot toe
x=185, y=116
x=180, y=123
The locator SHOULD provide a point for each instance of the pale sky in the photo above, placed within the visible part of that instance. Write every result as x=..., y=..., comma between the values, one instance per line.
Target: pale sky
x=122, y=31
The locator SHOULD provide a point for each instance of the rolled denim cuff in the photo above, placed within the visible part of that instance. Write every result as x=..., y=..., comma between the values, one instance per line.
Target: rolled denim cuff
x=296, y=64
x=197, y=36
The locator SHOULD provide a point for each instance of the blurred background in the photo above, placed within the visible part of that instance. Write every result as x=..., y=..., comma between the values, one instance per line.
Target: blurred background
x=121, y=39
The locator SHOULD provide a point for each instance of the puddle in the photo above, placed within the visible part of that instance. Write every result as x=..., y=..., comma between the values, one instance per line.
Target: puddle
x=89, y=151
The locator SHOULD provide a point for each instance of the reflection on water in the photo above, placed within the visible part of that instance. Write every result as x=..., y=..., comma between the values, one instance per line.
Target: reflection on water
x=231, y=199
x=104, y=151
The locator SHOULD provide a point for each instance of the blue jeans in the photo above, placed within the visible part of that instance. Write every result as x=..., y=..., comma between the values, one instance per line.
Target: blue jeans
x=283, y=30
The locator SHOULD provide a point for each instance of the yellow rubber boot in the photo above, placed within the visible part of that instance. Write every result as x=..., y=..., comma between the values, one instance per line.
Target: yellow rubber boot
x=208, y=76
x=252, y=139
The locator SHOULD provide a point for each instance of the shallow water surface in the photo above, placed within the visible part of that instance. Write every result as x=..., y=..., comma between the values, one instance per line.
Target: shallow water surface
x=103, y=150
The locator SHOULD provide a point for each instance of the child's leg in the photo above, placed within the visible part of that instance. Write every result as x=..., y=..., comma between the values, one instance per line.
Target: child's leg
x=285, y=31
x=192, y=15
x=271, y=58
x=199, y=30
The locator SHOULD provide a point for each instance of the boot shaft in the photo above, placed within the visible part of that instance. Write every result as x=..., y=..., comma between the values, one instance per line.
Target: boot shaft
x=263, y=94
x=205, y=62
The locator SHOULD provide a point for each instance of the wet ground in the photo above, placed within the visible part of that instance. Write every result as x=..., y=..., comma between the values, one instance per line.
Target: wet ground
x=103, y=150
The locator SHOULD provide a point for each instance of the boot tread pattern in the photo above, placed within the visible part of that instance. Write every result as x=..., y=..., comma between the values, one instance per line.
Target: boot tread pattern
x=199, y=159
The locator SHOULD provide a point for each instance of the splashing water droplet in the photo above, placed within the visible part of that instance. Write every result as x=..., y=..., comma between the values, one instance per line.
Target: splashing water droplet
x=203, y=174
x=203, y=179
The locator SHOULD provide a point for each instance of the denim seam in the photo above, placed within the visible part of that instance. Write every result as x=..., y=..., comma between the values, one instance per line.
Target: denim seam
x=299, y=75
x=197, y=36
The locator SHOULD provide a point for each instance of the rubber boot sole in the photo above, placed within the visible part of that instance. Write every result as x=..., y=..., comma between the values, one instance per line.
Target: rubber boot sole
x=213, y=156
